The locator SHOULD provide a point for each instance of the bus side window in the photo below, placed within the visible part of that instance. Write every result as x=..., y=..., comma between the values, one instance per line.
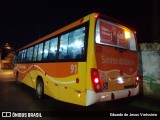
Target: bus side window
x=53, y=49
x=31, y=54
x=72, y=45
x=76, y=43
x=24, y=55
x=35, y=53
x=46, y=51
x=63, y=47
x=40, y=51
x=27, y=57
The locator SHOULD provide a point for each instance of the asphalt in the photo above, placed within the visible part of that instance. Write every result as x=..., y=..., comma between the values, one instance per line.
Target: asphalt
x=144, y=102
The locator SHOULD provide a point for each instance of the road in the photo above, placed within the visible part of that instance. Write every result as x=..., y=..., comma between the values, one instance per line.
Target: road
x=21, y=98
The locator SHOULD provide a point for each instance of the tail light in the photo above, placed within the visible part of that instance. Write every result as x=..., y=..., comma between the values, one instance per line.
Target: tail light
x=96, y=82
x=137, y=79
x=96, y=15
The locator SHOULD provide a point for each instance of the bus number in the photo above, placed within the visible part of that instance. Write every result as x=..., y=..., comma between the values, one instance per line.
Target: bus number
x=73, y=68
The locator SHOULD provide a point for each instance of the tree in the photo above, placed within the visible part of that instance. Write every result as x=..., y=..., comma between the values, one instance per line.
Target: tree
x=10, y=58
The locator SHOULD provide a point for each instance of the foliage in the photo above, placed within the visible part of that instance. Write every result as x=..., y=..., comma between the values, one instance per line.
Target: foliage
x=10, y=58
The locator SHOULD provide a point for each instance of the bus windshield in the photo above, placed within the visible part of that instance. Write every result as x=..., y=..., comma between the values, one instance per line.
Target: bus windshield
x=116, y=35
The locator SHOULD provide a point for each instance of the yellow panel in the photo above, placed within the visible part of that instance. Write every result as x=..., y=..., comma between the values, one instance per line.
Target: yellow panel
x=91, y=63
x=72, y=96
x=50, y=88
x=28, y=81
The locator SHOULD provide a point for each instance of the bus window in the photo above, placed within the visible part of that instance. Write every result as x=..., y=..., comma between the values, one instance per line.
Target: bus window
x=29, y=54
x=35, y=53
x=72, y=45
x=46, y=50
x=112, y=34
x=24, y=55
x=63, y=46
x=40, y=51
x=27, y=57
x=76, y=43
x=53, y=49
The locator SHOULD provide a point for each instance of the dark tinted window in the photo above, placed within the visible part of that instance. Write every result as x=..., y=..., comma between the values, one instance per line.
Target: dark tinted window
x=53, y=49
x=40, y=51
x=46, y=51
x=29, y=54
x=35, y=55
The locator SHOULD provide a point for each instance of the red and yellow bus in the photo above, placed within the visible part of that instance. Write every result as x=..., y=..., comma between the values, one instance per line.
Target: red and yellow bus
x=90, y=60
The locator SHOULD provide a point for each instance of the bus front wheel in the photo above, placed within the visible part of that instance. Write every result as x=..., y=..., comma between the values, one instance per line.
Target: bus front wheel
x=39, y=88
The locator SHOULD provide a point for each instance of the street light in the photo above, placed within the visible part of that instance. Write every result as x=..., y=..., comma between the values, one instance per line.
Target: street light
x=6, y=46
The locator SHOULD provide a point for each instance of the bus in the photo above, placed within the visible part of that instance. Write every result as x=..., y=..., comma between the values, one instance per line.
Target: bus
x=91, y=60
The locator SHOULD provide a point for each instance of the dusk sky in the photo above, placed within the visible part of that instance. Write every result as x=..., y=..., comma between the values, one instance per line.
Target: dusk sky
x=23, y=21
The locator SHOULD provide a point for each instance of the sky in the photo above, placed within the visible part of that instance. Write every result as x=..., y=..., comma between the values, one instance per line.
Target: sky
x=24, y=21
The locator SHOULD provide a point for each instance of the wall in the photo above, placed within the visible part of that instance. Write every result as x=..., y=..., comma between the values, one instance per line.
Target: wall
x=150, y=68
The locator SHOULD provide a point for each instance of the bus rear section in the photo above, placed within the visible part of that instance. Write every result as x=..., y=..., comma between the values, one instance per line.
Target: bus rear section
x=115, y=74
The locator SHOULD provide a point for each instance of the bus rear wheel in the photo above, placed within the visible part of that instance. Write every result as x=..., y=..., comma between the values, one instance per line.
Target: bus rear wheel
x=39, y=88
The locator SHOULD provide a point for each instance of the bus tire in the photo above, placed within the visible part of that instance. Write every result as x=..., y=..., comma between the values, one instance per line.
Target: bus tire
x=39, y=88
x=17, y=78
